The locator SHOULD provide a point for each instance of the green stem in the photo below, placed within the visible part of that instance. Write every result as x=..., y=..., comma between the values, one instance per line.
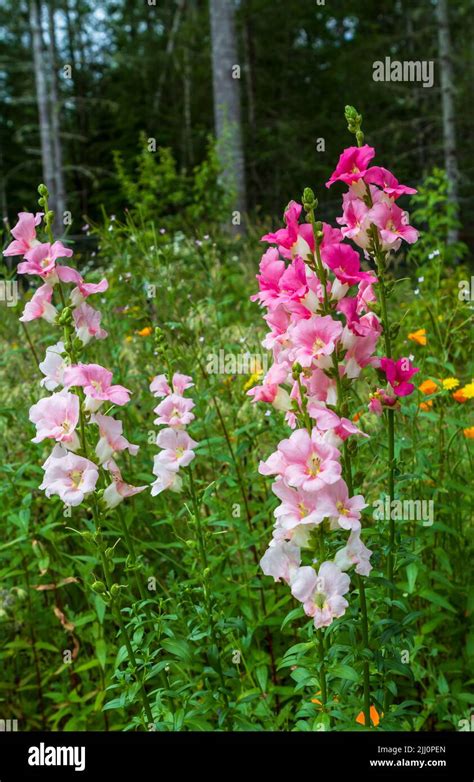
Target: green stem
x=119, y=619
x=207, y=599
x=322, y=670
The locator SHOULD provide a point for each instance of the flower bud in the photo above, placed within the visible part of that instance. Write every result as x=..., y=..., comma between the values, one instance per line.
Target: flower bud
x=99, y=587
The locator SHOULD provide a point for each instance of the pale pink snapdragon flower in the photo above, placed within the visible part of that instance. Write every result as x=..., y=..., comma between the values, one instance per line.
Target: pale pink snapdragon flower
x=321, y=593
x=40, y=306
x=97, y=384
x=174, y=411
x=71, y=477
x=177, y=448
x=111, y=439
x=118, y=490
x=56, y=418
x=87, y=323
x=160, y=387
x=281, y=560
x=25, y=233
x=53, y=366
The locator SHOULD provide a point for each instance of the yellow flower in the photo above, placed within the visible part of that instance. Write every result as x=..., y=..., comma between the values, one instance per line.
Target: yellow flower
x=468, y=391
x=469, y=432
x=253, y=379
x=428, y=387
x=145, y=332
x=128, y=338
x=449, y=383
x=418, y=336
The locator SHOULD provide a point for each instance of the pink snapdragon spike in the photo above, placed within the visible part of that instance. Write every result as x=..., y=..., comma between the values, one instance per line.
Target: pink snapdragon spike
x=313, y=334
x=71, y=477
x=352, y=166
x=174, y=412
x=97, y=384
x=56, y=418
x=111, y=439
x=398, y=374
x=87, y=322
x=118, y=490
x=25, y=233
x=40, y=306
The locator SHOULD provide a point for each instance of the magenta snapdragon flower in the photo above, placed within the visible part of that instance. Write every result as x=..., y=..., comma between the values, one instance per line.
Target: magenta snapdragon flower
x=398, y=374
x=352, y=165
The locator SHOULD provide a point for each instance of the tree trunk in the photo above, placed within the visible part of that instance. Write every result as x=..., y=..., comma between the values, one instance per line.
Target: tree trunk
x=447, y=100
x=168, y=53
x=226, y=88
x=56, y=124
x=42, y=101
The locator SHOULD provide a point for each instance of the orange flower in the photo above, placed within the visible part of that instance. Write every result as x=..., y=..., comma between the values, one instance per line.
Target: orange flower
x=356, y=417
x=469, y=432
x=426, y=405
x=428, y=387
x=418, y=336
x=459, y=396
x=374, y=716
x=145, y=332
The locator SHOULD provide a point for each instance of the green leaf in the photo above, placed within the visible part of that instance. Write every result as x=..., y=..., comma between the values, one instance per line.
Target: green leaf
x=344, y=672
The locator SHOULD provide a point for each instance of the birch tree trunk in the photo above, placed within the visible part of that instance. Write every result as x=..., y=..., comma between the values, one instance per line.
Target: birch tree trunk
x=42, y=101
x=56, y=123
x=447, y=102
x=226, y=89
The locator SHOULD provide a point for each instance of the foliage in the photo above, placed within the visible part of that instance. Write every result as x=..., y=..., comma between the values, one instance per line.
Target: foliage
x=63, y=664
